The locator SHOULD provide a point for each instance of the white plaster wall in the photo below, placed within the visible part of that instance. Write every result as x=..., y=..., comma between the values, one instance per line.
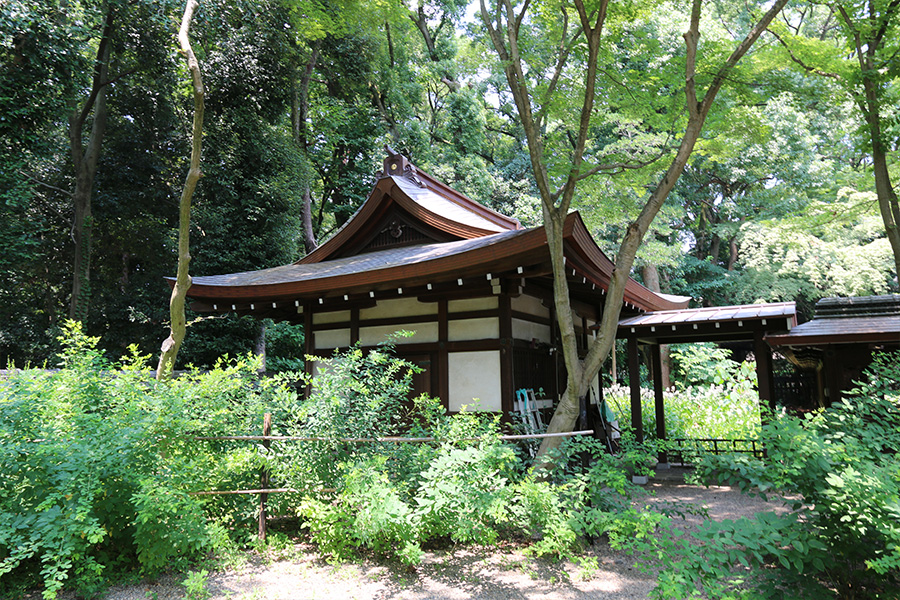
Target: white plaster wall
x=399, y=307
x=338, y=316
x=424, y=333
x=467, y=304
x=474, y=375
x=333, y=338
x=527, y=330
x=474, y=329
x=530, y=305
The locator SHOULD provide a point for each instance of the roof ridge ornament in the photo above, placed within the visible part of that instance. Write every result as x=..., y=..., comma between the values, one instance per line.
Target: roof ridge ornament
x=398, y=165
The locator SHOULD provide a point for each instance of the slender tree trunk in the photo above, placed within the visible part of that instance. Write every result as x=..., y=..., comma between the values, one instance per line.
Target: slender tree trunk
x=651, y=280
x=868, y=35
x=299, y=114
x=581, y=373
x=884, y=190
x=259, y=346
x=84, y=161
x=178, y=327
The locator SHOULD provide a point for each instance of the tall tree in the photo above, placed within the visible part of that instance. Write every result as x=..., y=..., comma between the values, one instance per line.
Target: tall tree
x=534, y=100
x=178, y=324
x=84, y=160
x=857, y=44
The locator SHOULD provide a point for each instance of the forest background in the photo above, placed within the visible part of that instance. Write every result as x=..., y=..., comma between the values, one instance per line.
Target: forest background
x=778, y=201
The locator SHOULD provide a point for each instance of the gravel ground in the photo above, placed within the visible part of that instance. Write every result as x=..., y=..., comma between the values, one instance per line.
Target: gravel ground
x=491, y=574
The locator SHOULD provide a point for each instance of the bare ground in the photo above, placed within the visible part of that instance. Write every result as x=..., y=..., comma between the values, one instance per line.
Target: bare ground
x=492, y=573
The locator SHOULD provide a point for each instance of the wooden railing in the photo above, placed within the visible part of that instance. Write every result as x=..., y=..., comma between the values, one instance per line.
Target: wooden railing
x=682, y=450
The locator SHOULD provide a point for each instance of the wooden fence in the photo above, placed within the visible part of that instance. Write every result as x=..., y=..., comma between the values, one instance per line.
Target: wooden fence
x=680, y=450
x=267, y=438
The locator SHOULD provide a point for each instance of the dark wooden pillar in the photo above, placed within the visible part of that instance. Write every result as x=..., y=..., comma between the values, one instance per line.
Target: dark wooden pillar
x=354, y=325
x=309, y=342
x=765, y=378
x=443, y=358
x=506, y=354
x=658, y=400
x=634, y=378
x=833, y=379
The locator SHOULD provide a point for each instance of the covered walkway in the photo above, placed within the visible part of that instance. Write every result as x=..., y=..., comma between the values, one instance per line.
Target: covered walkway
x=745, y=323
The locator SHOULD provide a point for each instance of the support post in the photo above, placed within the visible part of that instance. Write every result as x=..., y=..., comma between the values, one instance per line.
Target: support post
x=309, y=343
x=833, y=377
x=264, y=479
x=443, y=356
x=507, y=385
x=658, y=399
x=765, y=379
x=634, y=379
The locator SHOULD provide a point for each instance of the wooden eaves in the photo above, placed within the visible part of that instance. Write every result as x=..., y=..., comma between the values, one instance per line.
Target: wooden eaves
x=512, y=255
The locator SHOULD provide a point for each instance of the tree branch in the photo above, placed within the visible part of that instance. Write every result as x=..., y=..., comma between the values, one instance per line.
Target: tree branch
x=800, y=62
x=46, y=185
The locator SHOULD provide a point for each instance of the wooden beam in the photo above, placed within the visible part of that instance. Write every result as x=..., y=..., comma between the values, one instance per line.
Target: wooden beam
x=506, y=355
x=833, y=379
x=309, y=342
x=443, y=353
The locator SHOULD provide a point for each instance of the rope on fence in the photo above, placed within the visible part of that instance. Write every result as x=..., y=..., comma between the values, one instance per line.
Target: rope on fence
x=290, y=438
x=266, y=438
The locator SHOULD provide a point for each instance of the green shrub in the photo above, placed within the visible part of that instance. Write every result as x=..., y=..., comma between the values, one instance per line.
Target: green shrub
x=840, y=473
x=101, y=459
x=368, y=513
x=466, y=489
x=728, y=409
x=98, y=459
x=702, y=364
x=355, y=394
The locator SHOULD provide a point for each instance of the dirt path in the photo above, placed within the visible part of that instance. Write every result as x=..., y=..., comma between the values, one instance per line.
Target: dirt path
x=492, y=574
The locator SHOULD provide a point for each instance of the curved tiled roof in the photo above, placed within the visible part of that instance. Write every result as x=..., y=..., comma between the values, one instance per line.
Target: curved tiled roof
x=470, y=240
x=862, y=319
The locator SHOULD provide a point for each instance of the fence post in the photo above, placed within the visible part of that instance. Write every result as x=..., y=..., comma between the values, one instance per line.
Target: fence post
x=264, y=479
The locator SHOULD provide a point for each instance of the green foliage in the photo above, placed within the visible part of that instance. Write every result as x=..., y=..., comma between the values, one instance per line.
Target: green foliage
x=726, y=409
x=102, y=461
x=701, y=364
x=195, y=585
x=169, y=525
x=838, y=471
x=98, y=459
x=465, y=491
x=369, y=512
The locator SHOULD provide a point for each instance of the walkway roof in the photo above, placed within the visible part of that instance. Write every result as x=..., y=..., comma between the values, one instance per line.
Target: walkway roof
x=867, y=319
x=716, y=323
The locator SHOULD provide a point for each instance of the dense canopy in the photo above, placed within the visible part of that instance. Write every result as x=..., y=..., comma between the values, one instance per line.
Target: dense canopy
x=787, y=195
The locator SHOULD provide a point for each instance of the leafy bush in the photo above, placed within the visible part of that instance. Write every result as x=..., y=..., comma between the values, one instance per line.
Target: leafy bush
x=98, y=459
x=355, y=395
x=728, y=409
x=701, y=364
x=100, y=462
x=466, y=488
x=840, y=474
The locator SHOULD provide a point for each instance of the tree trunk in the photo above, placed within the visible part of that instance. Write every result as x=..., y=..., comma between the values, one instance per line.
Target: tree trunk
x=581, y=373
x=84, y=161
x=178, y=327
x=887, y=197
x=299, y=113
x=651, y=280
x=259, y=346
x=732, y=253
